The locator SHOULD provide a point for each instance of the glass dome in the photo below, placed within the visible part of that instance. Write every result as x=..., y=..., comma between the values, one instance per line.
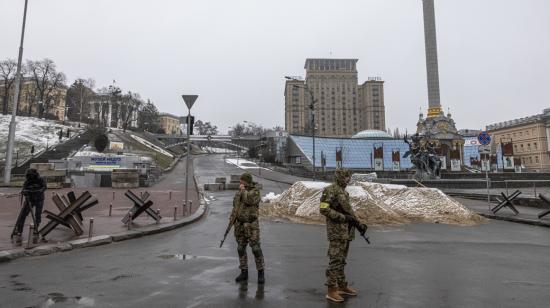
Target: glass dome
x=372, y=134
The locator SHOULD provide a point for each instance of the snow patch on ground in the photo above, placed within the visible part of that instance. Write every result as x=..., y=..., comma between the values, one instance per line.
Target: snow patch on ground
x=217, y=150
x=243, y=163
x=270, y=196
x=31, y=131
x=373, y=203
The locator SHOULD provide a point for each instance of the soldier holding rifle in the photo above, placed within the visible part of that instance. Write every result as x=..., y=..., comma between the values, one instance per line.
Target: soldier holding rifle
x=244, y=218
x=341, y=224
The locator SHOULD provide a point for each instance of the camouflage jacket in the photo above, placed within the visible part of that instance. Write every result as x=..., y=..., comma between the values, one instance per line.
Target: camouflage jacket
x=246, y=204
x=333, y=199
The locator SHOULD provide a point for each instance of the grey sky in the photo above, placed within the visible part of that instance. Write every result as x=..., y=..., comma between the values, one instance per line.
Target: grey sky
x=493, y=54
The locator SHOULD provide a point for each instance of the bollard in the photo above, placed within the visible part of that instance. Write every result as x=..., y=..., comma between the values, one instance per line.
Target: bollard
x=91, y=228
x=141, y=194
x=158, y=213
x=113, y=195
x=190, y=207
x=31, y=227
x=535, y=188
x=130, y=214
x=170, y=195
x=175, y=212
x=110, y=209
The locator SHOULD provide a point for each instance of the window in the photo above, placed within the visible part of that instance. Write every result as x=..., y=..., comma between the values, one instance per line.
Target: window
x=535, y=145
x=537, y=159
x=528, y=147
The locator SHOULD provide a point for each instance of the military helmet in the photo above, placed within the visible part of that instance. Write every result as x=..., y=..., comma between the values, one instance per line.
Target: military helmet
x=247, y=178
x=340, y=176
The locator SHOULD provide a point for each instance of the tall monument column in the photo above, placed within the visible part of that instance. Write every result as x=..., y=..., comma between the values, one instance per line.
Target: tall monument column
x=431, y=59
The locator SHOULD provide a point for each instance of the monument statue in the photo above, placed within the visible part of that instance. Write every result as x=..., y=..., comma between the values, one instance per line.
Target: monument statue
x=423, y=157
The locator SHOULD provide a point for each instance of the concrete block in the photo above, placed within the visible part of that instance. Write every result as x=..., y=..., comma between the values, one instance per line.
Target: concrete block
x=125, y=178
x=214, y=186
x=221, y=180
x=232, y=186
x=42, y=166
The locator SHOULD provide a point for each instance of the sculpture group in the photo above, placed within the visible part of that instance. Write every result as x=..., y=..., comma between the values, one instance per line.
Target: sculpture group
x=423, y=157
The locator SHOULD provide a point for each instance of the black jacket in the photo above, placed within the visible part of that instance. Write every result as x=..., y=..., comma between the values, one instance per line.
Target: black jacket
x=33, y=189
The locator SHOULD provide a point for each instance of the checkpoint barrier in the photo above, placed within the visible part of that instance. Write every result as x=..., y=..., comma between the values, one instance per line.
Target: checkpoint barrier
x=70, y=212
x=141, y=205
x=506, y=201
x=546, y=200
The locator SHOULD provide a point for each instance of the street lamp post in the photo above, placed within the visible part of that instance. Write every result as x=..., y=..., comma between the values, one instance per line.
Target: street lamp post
x=312, y=109
x=189, y=101
x=11, y=135
x=81, y=98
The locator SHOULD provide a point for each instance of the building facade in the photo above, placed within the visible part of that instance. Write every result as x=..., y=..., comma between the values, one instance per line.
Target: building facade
x=530, y=138
x=341, y=106
x=170, y=123
x=30, y=104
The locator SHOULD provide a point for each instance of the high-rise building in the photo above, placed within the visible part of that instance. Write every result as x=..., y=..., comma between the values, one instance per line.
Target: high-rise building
x=342, y=107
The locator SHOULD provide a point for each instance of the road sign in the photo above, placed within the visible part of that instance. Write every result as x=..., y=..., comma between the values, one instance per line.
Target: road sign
x=189, y=100
x=484, y=138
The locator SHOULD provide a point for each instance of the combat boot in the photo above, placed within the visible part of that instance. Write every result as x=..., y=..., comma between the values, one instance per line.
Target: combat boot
x=347, y=291
x=332, y=295
x=261, y=277
x=243, y=276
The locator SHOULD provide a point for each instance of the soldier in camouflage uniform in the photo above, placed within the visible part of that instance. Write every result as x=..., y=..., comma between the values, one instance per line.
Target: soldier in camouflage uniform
x=247, y=228
x=335, y=206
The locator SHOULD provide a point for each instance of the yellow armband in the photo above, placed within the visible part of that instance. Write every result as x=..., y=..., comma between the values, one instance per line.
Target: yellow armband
x=324, y=205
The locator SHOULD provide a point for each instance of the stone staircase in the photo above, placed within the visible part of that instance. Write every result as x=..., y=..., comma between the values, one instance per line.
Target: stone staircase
x=59, y=151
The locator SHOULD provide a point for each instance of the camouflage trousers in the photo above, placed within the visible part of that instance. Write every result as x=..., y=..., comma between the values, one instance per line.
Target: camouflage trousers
x=249, y=234
x=337, y=254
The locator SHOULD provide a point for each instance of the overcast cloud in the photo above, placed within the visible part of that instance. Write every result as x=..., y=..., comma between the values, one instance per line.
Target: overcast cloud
x=493, y=54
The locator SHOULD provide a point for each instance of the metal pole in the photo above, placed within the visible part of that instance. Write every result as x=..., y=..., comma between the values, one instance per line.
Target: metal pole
x=91, y=228
x=31, y=228
x=11, y=135
x=188, y=152
x=312, y=128
x=487, y=166
x=81, y=98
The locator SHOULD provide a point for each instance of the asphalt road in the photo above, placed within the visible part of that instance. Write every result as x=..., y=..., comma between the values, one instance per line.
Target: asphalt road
x=498, y=264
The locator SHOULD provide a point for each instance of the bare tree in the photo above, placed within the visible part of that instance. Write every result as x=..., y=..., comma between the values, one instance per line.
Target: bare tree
x=134, y=104
x=77, y=99
x=47, y=80
x=8, y=69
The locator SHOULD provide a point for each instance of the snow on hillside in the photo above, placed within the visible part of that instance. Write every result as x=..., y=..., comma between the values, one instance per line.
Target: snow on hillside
x=30, y=131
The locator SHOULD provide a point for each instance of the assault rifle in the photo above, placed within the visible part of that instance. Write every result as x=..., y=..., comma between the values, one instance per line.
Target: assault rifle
x=229, y=226
x=231, y=223
x=362, y=230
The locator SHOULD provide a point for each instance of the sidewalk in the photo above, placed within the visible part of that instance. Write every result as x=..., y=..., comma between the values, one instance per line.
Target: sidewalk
x=166, y=197
x=527, y=215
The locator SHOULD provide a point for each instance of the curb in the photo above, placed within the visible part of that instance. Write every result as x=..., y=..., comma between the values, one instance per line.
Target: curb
x=9, y=255
x=517, y=220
